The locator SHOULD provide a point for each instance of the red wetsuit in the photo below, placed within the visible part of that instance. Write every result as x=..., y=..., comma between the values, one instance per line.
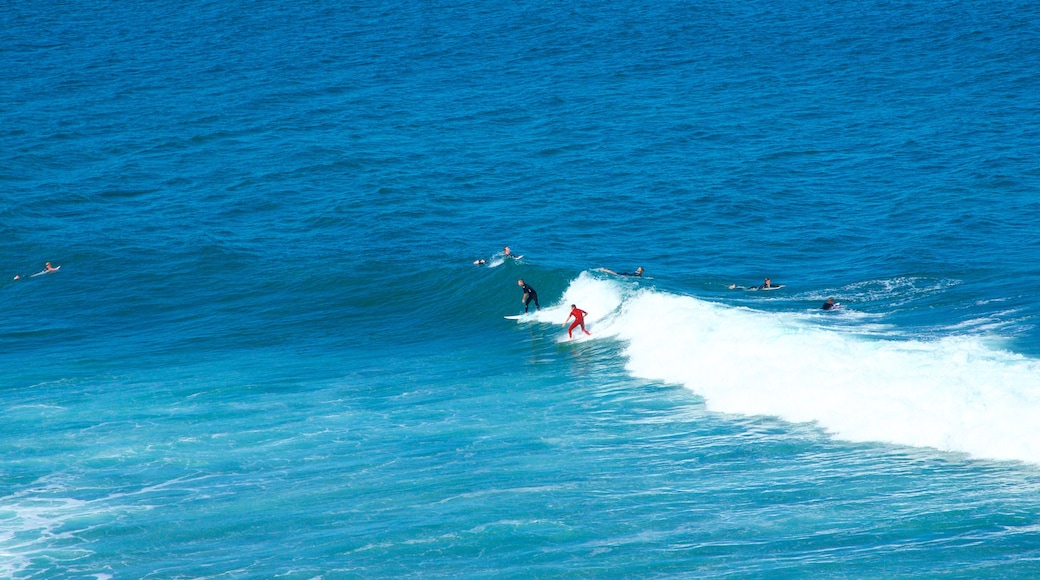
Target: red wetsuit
x=579, y=319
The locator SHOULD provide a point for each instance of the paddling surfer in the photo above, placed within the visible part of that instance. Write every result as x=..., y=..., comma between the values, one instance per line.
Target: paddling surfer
x=507, y=253
x=47, y=269
x=637, y=274
x=767, y=285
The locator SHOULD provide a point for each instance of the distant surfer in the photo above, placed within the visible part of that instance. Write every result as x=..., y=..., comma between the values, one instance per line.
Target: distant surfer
x=47, y=269
x=637, y=274
x=830, y=304
x=767, y=285
x=506, y=252
x=529, y=295
x=579, y=320
x=497, y=259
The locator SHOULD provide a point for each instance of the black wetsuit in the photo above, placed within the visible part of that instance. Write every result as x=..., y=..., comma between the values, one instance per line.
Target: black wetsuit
x=529, y=295
x=828, y=305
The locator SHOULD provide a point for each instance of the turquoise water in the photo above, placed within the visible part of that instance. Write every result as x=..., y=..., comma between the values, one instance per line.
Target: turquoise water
x=268, y=352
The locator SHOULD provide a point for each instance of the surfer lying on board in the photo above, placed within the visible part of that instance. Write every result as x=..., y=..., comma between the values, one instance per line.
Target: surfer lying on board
x=579, y=320
x=767, y=285
x=638, y=273
x=47, y=269
x=506, y=253
x=529, y=295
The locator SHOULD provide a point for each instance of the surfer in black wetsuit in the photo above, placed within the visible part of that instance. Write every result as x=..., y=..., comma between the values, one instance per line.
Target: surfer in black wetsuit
x=764, y=286
x=529, y=295
x=637, y=274
x=829, y=304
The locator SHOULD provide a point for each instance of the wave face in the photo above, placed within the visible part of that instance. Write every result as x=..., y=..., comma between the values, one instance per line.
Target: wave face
x=857, y=380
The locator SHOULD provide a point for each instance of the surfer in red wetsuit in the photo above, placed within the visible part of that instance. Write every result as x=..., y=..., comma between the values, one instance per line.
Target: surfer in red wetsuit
x=579, y=320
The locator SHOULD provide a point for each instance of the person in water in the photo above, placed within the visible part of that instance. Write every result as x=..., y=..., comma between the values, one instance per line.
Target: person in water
x=638, y=273
x=507, y=253
x=579, y=320
x=529, y=295
x=830, y=304
x=47, y=269
x=767, y=284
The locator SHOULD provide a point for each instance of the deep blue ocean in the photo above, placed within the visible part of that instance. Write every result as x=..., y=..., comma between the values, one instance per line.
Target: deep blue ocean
x=268, y=353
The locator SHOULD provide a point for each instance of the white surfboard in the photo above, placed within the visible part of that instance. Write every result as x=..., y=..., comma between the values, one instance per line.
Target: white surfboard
x=755, y=288
x=42, y=272
x=517, y=316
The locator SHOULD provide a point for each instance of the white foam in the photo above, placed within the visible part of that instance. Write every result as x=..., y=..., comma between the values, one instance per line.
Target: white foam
x=599, y=298
x=955, y=394
x=42, y=522
x=29, y=526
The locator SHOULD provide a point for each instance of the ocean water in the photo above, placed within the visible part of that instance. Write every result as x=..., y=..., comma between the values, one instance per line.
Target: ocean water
x=268, y=353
